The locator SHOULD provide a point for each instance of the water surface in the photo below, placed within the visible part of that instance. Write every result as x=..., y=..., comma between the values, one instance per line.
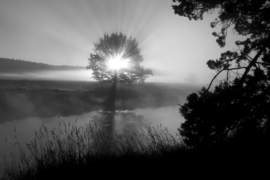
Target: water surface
x=23, y=131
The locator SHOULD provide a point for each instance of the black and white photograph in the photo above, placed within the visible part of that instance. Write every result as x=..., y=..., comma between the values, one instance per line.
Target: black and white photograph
x=144, y=89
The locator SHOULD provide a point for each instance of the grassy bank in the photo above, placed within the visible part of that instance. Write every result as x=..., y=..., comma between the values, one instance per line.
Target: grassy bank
x=72, y=152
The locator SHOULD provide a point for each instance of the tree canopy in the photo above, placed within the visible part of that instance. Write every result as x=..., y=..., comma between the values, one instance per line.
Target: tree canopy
x=238, y=106
x=117, y=57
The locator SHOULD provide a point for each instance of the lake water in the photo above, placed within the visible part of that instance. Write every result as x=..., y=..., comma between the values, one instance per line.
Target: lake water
x=24, y=130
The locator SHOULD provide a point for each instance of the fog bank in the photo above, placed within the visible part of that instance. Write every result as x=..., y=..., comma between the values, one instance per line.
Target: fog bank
x=69, y=75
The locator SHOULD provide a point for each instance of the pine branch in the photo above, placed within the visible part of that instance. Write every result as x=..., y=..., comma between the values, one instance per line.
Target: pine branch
x=253, y=61
x=230, y=69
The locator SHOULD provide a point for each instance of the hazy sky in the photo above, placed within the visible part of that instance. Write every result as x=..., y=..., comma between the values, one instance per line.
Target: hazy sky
x=62, y=32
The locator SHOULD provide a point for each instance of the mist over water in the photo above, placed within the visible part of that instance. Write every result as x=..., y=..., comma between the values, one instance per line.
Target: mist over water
x=24, y=130
x=27, y=106
x=67, y=75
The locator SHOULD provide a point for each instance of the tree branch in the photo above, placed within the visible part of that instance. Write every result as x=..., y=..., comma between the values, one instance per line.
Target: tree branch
x=220, y=72
x=264, y=64
x=253, y=61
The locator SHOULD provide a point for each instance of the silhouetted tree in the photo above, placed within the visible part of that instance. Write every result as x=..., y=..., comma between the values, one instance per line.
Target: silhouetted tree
x=117, y=58
x=123, y=50
x=237, y=108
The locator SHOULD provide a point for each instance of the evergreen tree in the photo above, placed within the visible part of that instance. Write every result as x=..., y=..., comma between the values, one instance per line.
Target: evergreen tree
x=239, y=107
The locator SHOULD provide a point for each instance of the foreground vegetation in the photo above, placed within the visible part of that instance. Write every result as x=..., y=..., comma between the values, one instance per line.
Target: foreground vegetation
x=70, y=152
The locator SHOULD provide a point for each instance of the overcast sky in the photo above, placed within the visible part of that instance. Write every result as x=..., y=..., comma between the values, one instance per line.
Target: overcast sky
x=62, y=32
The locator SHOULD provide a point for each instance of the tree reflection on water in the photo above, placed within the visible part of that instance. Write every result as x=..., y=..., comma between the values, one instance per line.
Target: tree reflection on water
x=113, y=123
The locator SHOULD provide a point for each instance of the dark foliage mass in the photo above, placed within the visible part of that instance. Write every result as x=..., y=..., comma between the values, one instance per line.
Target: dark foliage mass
x=114, y=45
x=21, y=66
x=225, y=115
x=238, y=109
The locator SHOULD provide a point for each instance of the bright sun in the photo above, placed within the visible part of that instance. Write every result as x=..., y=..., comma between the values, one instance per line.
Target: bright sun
x=117, y=62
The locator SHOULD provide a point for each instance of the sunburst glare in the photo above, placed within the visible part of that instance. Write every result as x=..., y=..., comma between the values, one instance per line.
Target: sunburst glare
x=117, y=62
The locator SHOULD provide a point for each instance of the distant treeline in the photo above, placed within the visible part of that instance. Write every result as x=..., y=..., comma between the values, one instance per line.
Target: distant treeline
x=19, y=66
